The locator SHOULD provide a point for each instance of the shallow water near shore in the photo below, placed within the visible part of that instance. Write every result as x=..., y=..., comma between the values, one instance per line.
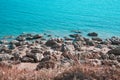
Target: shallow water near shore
x=59, y=17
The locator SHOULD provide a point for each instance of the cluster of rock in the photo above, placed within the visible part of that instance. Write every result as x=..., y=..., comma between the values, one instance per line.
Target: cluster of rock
x=57, y=52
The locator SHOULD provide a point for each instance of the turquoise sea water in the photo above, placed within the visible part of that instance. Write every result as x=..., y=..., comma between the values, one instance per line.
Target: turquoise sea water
x=60, y=16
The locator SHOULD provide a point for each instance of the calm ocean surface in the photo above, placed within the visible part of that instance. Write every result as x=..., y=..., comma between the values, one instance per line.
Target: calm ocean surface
x=59, y=17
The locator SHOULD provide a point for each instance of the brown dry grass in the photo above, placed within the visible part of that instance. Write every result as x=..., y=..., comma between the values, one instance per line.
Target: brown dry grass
x=81, y=72
x=77, y=72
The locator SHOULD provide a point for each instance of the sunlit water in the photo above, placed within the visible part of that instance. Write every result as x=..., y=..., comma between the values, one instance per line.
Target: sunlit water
x=59, y=17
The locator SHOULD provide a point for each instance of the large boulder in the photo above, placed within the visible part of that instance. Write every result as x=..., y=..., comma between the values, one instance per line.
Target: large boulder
x=54, y=44
x=115, y=40
x=115, y=51
x=36, y=56
x=47, y=62
x=51, y=42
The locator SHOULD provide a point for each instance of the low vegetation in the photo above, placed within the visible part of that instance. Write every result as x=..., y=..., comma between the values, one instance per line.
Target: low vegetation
x=77, y=72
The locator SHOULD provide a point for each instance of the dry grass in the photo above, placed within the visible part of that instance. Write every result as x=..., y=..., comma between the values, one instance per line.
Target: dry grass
x=81, y=72
x=8, y=73
x=77, y=72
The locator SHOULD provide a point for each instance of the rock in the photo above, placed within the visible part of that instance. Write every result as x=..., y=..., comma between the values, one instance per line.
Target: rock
x=46, y=64
x=49, y=58
x=115, y=40
x=3, y=48
x=90, y=43
x=46, y=58
x=104, y=56
x=37, y=36
x=94, y=62
x=96, y=39
x=49, y=35
x=54, y=44
x=5, y=57
x=16, y=43
x=29, y=38
x=47, y=53
x=74, y=35
x=112, y=57
x=104, y=42
x=38, y=57
x=3, y=42
x=118, y=59
x=92, y=34
x=36, y=50
x=79, y=38
x=110, y=62
x=12, y=46
x=115, y=51
x=21, y=38
x=64, y=48
x=27, y=59
x=77, y=45
x=16, y=56
x=38, y=41
x=99, y=46
x=68, y=42
x=51, y=42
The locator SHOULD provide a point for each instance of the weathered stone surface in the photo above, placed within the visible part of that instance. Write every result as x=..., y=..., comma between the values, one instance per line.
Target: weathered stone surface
x=115, y=51
x=115, y=40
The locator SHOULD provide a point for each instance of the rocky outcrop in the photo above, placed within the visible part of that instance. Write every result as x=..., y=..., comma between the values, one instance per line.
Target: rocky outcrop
x=115, y=40
x=115, y=51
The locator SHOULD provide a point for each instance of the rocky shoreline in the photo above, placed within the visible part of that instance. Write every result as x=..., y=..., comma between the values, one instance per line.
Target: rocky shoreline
x=52, y=53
